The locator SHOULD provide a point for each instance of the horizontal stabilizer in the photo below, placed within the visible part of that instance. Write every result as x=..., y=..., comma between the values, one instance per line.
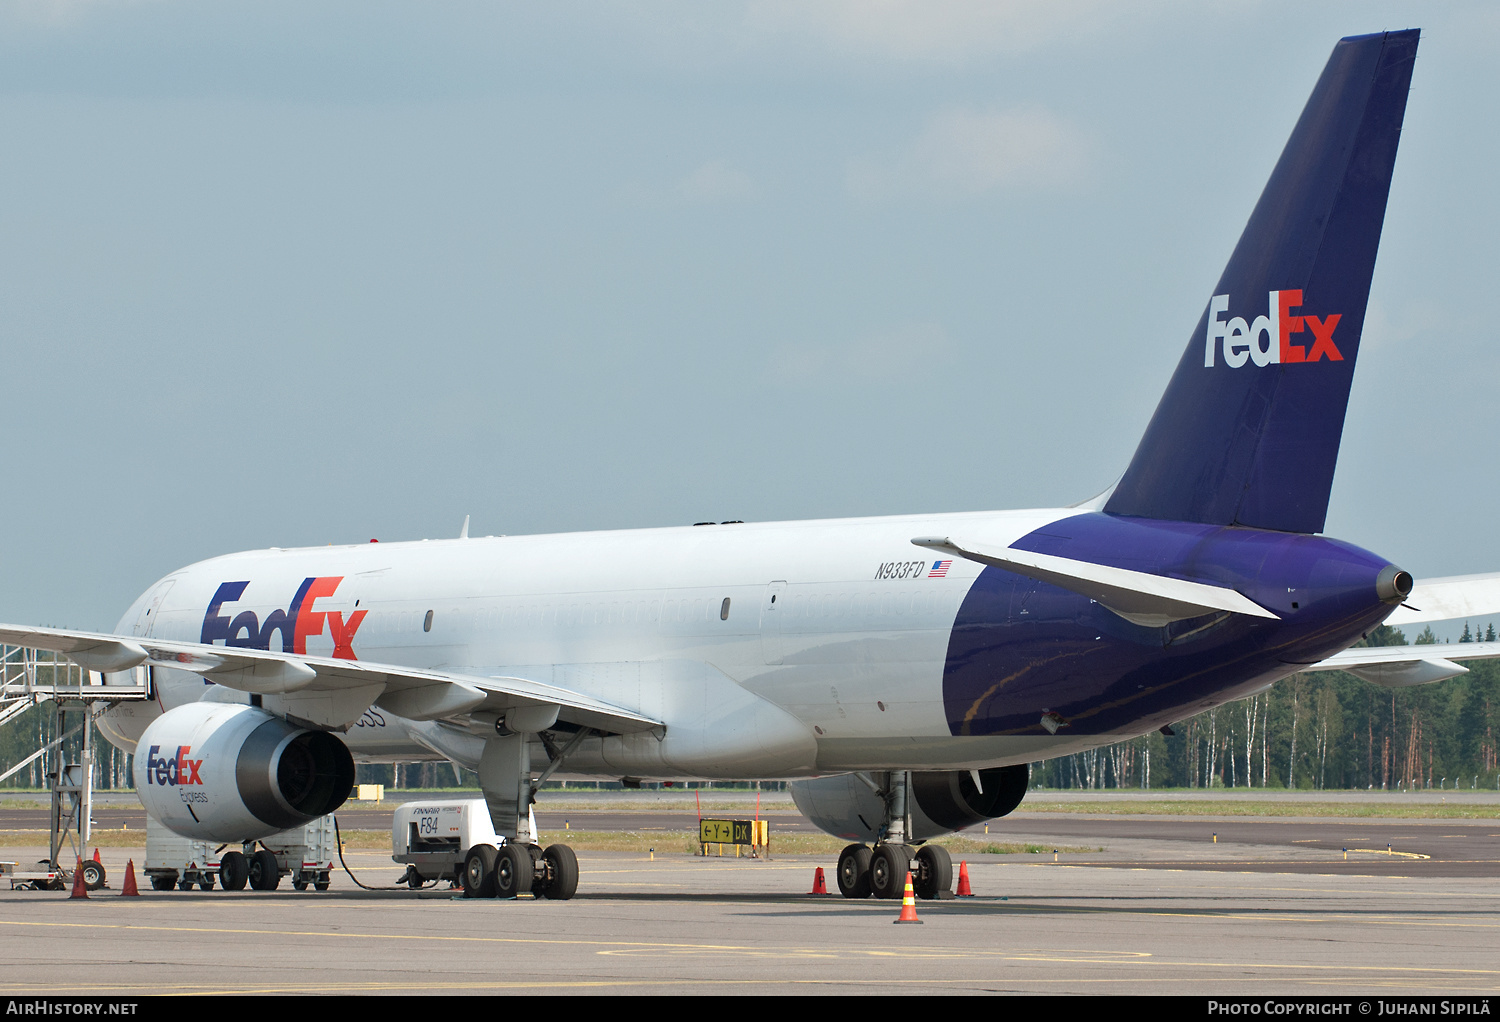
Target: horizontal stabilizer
x=1443, y=599
x=1138, y=596
x=1404, y=666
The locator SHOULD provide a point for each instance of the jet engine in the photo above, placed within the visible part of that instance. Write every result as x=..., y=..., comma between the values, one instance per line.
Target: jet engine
x=940, y=801
x=231, y=772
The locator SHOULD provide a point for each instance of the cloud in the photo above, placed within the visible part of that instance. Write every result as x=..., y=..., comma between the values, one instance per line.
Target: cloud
x=904, y=351
x=62, y=13
x=716, y=181
x=967, y=153
x=933, y=31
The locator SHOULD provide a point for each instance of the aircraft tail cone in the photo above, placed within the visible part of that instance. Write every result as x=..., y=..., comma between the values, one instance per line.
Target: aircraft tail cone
x=819, y=885
x=908, y=903
x=80, y=889
x=129, y=890
x=964, y=890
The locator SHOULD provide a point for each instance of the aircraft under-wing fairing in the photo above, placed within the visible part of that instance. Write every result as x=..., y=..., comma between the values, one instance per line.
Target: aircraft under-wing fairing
x=901, y=671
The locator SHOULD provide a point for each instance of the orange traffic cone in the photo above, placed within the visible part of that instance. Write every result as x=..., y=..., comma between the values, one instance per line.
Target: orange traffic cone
x=964, y=891
x=129, y=890
x=908, y=904
x=96, y=856
x=80, y=889
x=819, y=886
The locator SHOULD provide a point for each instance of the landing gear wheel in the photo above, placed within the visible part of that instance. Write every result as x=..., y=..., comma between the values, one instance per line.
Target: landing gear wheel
x=478, y=874
x=93, y=875
x=562, y=873
x=513, y=871
x=165, y=882
x=888, y=866
x=854, y=872
x=932, y=872
x=265, y=874
x=233, y=871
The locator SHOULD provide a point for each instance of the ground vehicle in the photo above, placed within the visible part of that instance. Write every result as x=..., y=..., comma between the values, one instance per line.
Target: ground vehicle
x=306, y=854
x=455, y=840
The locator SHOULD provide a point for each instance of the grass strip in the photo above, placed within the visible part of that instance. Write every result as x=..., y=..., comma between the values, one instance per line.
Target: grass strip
x=1270, y=808
x=686, y=843
x=98, y=839
x=664, y=842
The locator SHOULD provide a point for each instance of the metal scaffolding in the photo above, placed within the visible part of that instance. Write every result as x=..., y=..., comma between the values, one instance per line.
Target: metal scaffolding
x=30, y=677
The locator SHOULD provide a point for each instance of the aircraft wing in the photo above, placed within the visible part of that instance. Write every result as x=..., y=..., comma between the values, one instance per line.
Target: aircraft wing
x=1138, y=596
x=1402, y=666
x=1442, y=599
x=409, y=692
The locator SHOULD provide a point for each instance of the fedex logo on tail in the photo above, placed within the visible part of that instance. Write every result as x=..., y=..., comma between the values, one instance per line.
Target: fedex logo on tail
x=298, y=622
x=1272, y=338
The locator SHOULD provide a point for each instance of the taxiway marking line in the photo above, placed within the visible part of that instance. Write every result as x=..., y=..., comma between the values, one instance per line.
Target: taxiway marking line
x=1098, y=958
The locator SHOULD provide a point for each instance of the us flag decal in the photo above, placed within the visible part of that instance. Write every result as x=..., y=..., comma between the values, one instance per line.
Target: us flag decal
x=939, y=569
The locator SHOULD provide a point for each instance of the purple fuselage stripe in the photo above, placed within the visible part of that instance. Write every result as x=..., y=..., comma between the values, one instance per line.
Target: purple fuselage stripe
x=1021, y=649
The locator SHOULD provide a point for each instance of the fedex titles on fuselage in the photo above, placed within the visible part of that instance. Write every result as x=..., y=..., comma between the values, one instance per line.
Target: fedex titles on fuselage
x=297, y=623
x=1267, y=340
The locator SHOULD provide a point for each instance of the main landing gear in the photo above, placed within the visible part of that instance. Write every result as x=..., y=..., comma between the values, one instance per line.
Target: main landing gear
x=516, y=869
x=881, y=871
x=518, y=866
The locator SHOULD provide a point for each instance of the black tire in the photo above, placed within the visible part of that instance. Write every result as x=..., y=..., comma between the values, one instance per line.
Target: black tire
x=164, y=882
x=477, y=877
x=93, y=875
x=932, y=872
x=854, y=872
x=265, y=874
x=513, y=871
x=207, y=883
x=299, y=885
x=321, y=885
x=184, y=885
x=234, y=871
x=562, y=873
x=888, y=866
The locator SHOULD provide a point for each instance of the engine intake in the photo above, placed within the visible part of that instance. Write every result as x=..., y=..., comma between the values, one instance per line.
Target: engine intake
x=940, y=801
x=953, y=801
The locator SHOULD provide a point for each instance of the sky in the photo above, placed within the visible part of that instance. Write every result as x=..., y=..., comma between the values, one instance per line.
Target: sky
x=286, y=274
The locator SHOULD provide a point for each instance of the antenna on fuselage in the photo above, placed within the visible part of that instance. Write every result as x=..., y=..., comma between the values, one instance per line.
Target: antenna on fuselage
x=464, y=532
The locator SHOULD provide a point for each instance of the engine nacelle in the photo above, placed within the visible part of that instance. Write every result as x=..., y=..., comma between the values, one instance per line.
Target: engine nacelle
x=940, y=801
x=230, y=772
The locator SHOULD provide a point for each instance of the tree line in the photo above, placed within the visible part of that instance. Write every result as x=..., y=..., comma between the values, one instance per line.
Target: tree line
x=1326, y=729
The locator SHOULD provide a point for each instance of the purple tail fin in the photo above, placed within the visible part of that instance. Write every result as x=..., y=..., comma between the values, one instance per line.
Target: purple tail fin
x=1248, y=430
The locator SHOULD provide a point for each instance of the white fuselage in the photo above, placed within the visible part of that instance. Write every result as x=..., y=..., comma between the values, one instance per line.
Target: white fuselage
x=832, y=635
